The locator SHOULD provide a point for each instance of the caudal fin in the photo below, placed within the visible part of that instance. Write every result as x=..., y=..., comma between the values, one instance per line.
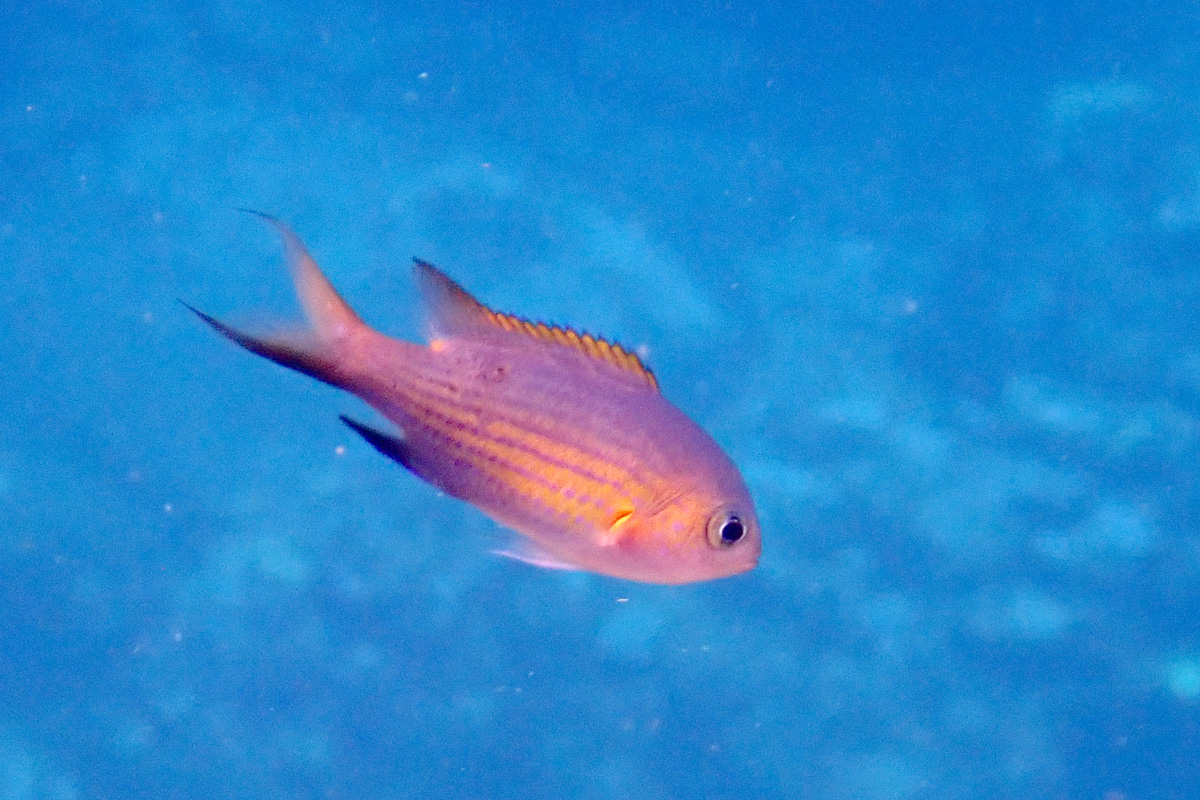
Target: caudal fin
x=330, y=315
x=321, y=350
x=298, y=350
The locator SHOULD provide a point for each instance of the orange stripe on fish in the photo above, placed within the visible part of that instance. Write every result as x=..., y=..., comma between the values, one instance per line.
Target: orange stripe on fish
x=603, y=469
x=596, y=499
x=522, y=433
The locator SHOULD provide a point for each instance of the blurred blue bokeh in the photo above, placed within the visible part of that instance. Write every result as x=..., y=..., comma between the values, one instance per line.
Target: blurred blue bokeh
x=929, y=273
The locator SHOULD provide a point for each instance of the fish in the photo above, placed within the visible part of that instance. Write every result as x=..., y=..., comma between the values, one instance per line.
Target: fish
x=563, y=437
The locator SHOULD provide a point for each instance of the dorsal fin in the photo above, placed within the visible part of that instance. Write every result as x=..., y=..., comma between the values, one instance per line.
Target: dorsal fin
x=454, y=312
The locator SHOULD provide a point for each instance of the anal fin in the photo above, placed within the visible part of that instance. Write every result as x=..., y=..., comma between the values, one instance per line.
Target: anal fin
x=391, y=446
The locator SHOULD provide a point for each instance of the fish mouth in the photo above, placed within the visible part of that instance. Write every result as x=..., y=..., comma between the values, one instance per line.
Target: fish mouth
x=751, y=560
x=737, y=566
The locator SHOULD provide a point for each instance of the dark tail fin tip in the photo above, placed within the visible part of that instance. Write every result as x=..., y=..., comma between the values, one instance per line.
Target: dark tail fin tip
x=260, y=214
x=221, y=327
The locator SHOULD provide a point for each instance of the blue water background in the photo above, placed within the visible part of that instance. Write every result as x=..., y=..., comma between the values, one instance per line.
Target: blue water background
x=929, y=273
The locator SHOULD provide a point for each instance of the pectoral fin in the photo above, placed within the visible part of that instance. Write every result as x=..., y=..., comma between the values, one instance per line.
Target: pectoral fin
x=526, y=551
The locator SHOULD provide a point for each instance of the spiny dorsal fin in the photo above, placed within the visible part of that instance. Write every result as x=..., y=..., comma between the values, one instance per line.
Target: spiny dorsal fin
x=593, y=346
x=454, y=312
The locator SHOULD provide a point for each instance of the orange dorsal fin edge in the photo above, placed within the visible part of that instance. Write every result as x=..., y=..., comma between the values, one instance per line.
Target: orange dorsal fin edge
x=454, y=312
x=593, y=346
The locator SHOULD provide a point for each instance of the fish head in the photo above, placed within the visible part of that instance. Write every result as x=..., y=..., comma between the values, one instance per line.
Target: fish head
x=695, y=535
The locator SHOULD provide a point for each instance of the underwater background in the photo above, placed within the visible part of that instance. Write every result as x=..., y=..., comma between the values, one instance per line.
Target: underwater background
x=927, y=271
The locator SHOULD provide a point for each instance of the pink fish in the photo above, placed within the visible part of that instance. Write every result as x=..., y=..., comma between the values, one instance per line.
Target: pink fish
x=558, y=435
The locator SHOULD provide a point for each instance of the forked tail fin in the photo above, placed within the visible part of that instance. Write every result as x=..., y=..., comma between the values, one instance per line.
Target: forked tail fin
x=319, y=351
x=330, y=315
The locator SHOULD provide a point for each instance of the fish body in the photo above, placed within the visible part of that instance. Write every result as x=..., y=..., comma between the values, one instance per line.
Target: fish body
x=560, y=436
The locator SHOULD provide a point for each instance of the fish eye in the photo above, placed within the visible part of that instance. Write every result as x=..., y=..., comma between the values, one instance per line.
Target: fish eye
x=725, y=529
